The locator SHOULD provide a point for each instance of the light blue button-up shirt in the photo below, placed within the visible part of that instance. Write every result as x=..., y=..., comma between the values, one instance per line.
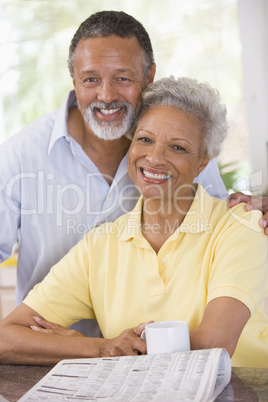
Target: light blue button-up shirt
x=51, y=194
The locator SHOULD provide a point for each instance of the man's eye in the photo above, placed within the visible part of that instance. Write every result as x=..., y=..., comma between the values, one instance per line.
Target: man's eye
x=90, y=80
x=122, y=79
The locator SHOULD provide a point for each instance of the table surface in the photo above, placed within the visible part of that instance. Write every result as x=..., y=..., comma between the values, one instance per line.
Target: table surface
x=247, y=384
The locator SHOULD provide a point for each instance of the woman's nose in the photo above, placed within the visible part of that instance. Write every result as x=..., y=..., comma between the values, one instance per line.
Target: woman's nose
x=156, y=155
x=106, y=92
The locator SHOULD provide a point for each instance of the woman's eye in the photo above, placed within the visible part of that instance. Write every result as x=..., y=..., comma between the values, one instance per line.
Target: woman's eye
x=144, y=139
x=178, y=148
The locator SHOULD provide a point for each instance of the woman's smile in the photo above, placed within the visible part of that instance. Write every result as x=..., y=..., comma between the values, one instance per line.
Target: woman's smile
x=151, y=176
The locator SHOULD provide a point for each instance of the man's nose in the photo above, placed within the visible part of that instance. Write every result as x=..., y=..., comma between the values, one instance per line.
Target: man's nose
x=106, y=92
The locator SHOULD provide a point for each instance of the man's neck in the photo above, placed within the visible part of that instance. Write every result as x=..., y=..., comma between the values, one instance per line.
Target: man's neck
x=106, y=155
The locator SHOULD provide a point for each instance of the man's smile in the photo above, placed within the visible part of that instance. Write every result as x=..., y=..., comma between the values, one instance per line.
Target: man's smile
x=110, y=114
x=109, y=111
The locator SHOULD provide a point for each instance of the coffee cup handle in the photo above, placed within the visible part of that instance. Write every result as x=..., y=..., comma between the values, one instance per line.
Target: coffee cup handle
x=143, y=335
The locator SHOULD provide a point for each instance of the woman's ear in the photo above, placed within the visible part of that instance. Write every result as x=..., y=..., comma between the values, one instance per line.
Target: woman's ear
x=203, y=163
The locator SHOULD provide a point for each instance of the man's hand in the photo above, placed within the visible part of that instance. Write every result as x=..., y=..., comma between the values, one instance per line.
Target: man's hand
x=52, y=328
x=260, y=203
x=128, y=343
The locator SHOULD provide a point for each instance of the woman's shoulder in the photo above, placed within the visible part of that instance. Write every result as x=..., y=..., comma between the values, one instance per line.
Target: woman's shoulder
x=236, y=216
x=221, y=216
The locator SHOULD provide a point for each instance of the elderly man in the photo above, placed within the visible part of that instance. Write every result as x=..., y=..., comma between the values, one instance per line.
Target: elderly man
x=67, y=172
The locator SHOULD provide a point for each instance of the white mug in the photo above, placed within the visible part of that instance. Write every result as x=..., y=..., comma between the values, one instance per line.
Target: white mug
x=166, y=337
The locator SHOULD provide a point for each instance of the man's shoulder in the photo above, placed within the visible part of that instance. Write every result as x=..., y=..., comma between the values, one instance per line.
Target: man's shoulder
x=211, y=180
x=38, y=130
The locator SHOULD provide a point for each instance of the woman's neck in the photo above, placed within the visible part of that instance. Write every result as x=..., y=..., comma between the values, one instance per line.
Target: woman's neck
x=161, y=218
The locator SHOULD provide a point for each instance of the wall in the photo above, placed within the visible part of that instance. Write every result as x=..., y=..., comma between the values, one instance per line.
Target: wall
x=253, y=19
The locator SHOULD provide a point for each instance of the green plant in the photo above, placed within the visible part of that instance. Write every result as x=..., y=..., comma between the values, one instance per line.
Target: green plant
x=229, y=173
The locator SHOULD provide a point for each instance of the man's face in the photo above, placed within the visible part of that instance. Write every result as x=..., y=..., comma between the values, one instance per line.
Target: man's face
x=108, y=80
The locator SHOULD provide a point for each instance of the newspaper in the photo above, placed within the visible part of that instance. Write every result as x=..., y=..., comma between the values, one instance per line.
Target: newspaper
x=184, y=376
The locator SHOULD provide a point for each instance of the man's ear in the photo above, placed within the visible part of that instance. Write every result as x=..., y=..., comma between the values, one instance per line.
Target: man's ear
x=72, y=76
x=151, y=74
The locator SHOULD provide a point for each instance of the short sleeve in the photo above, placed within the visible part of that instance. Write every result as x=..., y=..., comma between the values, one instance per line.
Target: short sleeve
x=239, y=267
x=64, y=295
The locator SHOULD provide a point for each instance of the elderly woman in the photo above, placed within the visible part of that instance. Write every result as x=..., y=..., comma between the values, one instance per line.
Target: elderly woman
x=180, y=254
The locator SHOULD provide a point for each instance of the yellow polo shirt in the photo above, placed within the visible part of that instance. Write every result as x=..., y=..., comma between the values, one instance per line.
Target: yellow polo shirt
x=114, y=275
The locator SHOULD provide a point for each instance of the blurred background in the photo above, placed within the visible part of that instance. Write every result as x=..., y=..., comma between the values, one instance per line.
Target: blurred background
x=223, y=42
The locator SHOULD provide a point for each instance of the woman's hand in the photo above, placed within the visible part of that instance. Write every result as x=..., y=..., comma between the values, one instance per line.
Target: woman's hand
x=128, y=343
x=27, y=338
x=52, y=328
x=260, y=203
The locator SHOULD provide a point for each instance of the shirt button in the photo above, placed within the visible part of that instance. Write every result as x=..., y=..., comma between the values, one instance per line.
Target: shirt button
x=164, y=259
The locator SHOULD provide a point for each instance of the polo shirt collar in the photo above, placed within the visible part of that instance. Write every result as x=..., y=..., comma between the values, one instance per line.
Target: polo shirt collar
x=197, y=219
x=60, y=128
x=131, y=223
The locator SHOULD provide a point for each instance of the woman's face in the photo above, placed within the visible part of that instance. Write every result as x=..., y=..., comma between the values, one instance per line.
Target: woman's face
x=165, y=154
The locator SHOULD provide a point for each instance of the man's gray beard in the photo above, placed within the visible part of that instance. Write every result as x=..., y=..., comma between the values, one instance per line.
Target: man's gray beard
x=109, y=130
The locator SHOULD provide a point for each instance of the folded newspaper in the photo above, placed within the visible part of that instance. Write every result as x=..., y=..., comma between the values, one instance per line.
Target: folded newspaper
x=199, y=376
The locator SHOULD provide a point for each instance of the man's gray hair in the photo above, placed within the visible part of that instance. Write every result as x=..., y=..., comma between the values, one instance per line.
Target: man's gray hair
x=191, y=96
x=108, y=23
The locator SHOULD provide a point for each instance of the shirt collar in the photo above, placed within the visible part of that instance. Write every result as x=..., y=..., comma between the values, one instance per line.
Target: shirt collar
x=131, y=222
x=197, y=219
x=60, y=128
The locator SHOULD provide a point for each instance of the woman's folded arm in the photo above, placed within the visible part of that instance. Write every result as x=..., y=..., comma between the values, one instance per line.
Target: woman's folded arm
x=20, y=344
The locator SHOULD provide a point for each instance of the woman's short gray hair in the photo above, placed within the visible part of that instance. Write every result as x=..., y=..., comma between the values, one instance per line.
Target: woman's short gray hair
x=191, y=96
